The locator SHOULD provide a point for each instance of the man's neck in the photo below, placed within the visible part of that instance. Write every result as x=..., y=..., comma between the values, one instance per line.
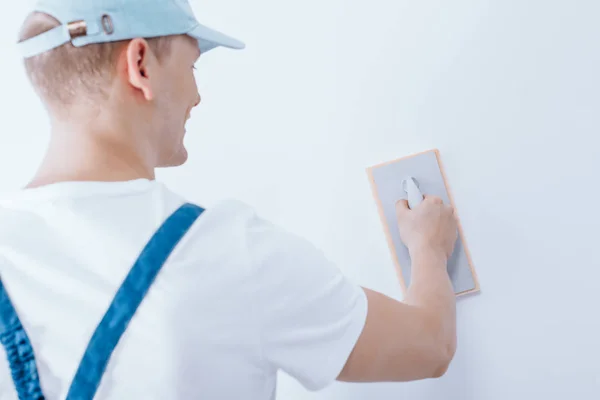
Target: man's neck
x=85, y=157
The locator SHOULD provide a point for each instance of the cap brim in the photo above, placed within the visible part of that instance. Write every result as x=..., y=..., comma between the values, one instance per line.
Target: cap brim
x=209, y=39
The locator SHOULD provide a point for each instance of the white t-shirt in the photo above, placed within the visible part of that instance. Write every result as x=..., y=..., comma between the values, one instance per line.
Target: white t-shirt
x=238, y=299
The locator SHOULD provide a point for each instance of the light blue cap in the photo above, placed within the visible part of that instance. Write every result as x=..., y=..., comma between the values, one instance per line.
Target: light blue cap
x=97, y=21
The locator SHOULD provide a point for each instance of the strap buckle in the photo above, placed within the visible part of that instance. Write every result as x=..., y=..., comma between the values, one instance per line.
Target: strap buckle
x=77, y=29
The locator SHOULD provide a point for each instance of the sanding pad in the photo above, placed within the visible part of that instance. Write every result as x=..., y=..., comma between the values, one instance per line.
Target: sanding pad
x=409, y=178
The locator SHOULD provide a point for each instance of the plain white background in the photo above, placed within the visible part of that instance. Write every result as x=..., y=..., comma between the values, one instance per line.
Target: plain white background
x=508, y=91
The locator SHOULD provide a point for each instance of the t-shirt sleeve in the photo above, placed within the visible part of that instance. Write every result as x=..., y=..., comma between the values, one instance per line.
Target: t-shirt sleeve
x=310, y=314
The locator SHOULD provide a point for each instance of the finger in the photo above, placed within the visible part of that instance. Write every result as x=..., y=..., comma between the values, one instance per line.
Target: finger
x=433, y=199
x=448, y=209
x=402, y=207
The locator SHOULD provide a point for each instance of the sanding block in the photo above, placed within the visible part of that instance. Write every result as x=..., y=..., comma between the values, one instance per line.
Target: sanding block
x=409, y=178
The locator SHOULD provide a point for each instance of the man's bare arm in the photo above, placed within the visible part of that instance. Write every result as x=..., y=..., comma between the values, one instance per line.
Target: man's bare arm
x=414, y=339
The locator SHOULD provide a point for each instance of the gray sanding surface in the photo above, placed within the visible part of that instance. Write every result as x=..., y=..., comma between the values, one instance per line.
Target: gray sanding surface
x=387, y=180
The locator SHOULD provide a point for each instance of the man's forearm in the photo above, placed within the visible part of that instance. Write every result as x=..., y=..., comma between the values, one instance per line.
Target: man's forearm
x=431, y=290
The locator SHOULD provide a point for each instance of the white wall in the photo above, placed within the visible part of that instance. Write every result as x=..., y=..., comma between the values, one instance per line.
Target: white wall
x=507, y=90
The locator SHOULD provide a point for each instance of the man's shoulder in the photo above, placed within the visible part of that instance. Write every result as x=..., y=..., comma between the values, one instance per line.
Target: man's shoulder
x=234, y=228
x=224, y=227
x=224, y=213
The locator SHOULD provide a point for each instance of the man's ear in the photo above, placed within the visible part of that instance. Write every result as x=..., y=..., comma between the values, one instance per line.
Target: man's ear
x=140, y=66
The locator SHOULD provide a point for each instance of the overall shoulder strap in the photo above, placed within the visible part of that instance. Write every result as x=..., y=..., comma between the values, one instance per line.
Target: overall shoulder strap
x=129, y=296
x=19, y=351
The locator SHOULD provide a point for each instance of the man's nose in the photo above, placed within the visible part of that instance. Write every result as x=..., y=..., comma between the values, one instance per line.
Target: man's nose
x=198, y=99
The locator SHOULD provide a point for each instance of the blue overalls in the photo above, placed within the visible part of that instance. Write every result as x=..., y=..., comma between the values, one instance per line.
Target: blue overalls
x=112, y=326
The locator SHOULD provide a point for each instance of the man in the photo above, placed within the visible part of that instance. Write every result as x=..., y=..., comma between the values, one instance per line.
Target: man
x=237, y=298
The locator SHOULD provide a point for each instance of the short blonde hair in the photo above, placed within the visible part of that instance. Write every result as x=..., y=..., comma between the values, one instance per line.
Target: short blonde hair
x=63, y=75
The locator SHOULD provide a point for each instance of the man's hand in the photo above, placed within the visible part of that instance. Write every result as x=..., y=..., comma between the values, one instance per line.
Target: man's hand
x=430, y=227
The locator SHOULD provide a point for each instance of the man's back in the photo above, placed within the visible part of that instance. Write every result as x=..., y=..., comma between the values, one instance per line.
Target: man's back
x=237, y=300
